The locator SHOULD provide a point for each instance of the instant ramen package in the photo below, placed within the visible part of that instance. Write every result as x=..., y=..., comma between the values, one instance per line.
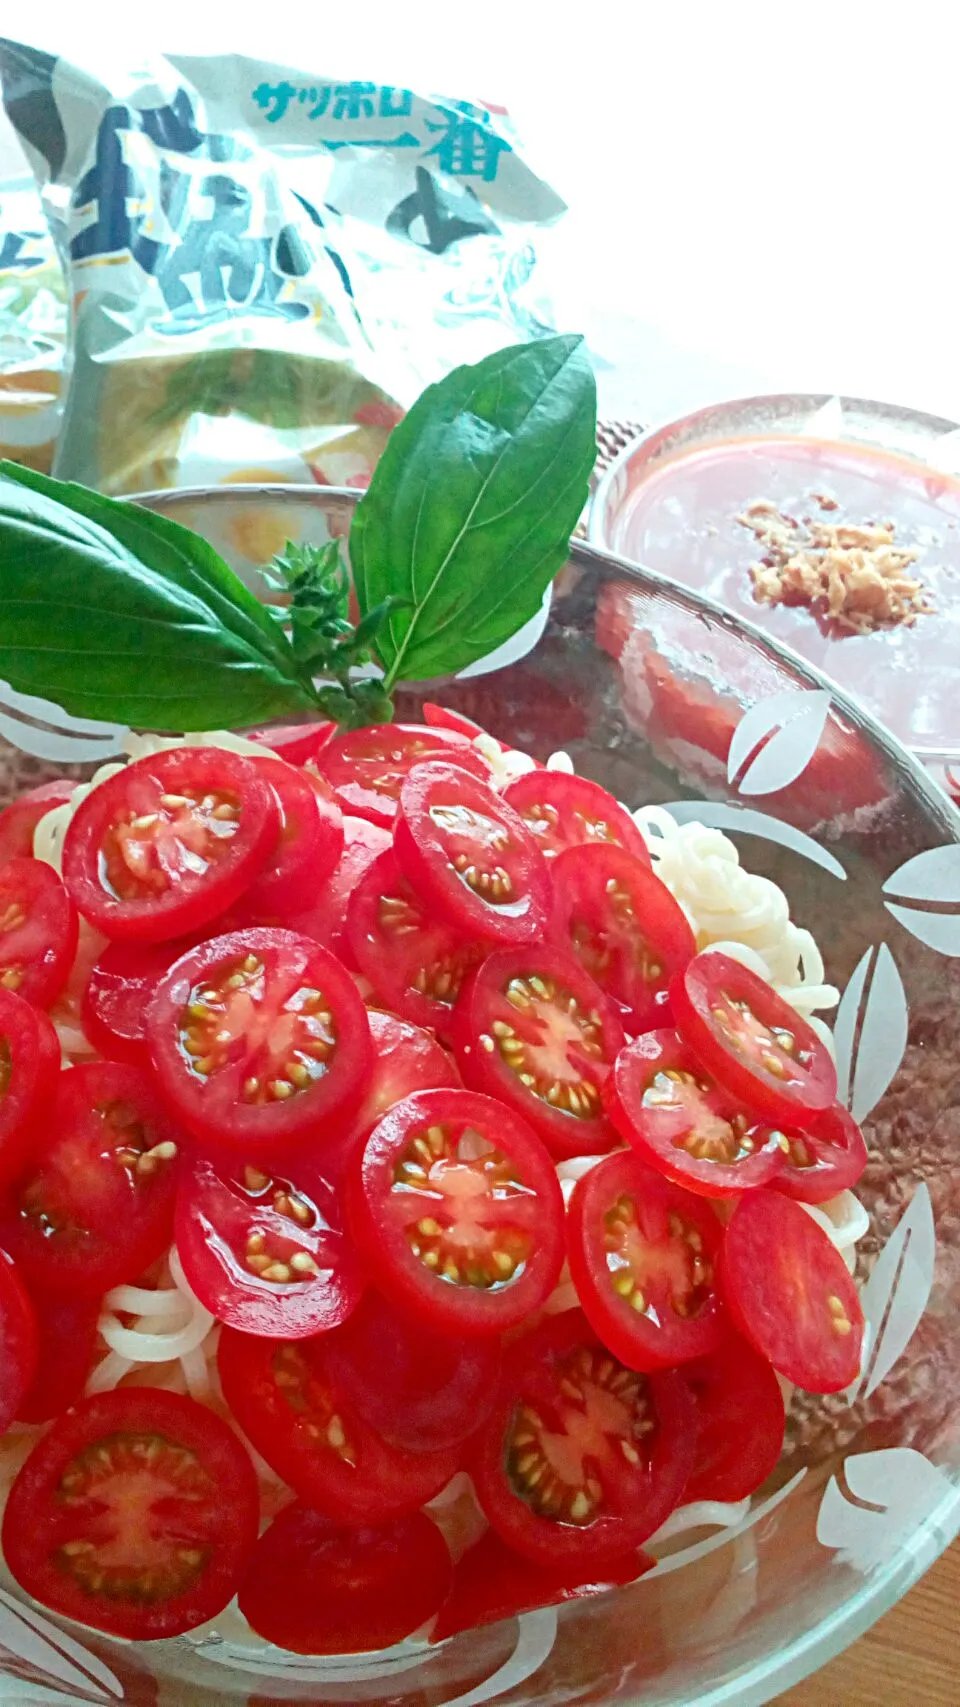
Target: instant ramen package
x=266, y=266
x=33, y=329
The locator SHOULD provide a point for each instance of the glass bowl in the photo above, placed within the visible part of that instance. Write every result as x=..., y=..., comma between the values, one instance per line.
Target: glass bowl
x=904, y=675
x=867, y=1493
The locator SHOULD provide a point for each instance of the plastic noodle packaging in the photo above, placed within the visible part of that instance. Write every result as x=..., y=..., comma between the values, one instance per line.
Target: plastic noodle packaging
x=33, y=330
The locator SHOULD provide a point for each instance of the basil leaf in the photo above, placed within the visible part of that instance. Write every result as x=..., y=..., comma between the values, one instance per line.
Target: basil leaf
x=115, y=613
x=470, y=511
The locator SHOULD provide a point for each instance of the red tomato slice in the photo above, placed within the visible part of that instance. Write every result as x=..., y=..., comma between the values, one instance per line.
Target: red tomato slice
x=564, y=811
x=741, y=1422
x=827, y=1157
x=259, y=1038
x=406, y=1059
x=168, y=843
x=532, y=1029
x=315, y=1589
x=471, y=857
x=290, y=1403
x=623, y=925
x=95, y=1206
x=457, y=1212
x=29, y=1068
x=789, y=1293
x=19, y=820
x=643, y=1258
x=441, y=717
x=325, y=920
x=492, y=1582
x=117, y=995
x=67, y=1332
x=19, y=1342
x=136, y=1514
x=266, y=1255
x=367, y=767
x=421, y=1390
x=582, y=1458
x=295, y=742
x=679, y=1120
x=309, y=846
x=38, y=931
x=753, y=1043
x=414, y=961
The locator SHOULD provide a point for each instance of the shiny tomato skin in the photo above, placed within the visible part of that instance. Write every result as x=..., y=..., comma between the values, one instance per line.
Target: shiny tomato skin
x=308, y=848
x=471, y=857
x=194, y=1501
x=367, y=767
x=294, y=1409
x=67, y=1332
x=614, y=914
x=470, y=1243
x=741, y=1421
x=737, y=1024
x=118, y=993
x=406, y=1058
x=581, y=1529
x=441, y=717
x=414, y=961
x=492, y=1582
x=19, y=1342
x=827, y=1157
x=38, y=931
x=643, y=1257
x=677, y=1118
x=94, y=1205
x=19, y=820
x=325, y=919
x=555, y=1047
x=295, y=742
x=315, y=1589
x=789, y=1293
x=29, y=1071
x=565, y=811
x=289, y=1008
x=237, y=1229
x=131, y=831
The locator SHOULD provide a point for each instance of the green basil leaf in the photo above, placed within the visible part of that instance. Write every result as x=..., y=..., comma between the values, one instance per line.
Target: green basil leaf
x=470, y=511
x=113, y=612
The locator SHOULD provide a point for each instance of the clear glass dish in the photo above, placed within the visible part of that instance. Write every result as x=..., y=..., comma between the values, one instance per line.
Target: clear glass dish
x=868, y=1492
x=905, y=675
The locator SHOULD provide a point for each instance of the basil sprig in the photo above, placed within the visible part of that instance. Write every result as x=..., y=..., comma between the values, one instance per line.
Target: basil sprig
x=113, y=612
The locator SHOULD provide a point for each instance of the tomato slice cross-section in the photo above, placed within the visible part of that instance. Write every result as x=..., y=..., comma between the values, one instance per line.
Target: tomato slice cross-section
x=741, y=1421
x=38, y=931
x=19, y=820
x=827, y=1157
x=414, y=960
x=29, y=1071
x=308, y=846
x=367, y=767
x=564, y=811
x=405, y=1059
x=19, y=1342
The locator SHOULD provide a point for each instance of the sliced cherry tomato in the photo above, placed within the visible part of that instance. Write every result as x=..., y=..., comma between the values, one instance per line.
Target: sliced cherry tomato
x=643, y=1258
x=259, y=1039
x=19, y=820
x=67, y=1332
x=169, y=842
x=315, y=1589
x=309, y=845
x=827, y=1157
x=325, y=919
x=95, y=1206
x=264, y=1254
x=118, y=992
x=38, y=931
x=457, y=1211
x=421, y=1390
x=623, y=925
x=367, y=767
x=531, y=1028
x=406, y=1059
x=741, y=1422
x=582, y=1458
x=290, y=1403
x=491, y=1582
x=753, y=1043
x=414, y=961
x=137, y=1514
x=564, y=811
x=471, y=857
x=679, y=1120
x=295, y=742
x=29, y=1068
x=789, y=1293
x=19, y=1342
x=441, y=717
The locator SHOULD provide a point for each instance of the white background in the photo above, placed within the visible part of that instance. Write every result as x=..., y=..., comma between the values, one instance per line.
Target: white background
x=762, y=197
